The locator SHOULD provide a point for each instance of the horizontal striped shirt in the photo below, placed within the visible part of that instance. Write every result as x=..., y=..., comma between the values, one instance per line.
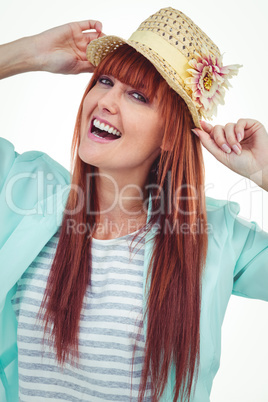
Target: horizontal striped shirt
x=111, y=318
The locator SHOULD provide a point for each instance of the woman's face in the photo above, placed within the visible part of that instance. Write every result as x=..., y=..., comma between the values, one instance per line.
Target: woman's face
x=121, y=131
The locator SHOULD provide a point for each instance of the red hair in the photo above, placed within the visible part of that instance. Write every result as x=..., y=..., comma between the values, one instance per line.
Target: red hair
x=179, y=252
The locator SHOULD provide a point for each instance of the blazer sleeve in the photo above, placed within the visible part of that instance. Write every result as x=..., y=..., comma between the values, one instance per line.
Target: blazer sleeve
x=250, y=245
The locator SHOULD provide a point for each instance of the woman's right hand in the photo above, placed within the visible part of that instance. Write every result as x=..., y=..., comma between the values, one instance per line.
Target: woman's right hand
x=62, y=49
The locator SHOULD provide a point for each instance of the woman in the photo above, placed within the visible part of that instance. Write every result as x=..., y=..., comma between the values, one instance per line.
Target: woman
x=119, y=283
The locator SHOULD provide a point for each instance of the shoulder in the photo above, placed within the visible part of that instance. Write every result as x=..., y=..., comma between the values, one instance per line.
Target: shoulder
x=216, y=208
x=221, y=216
x=213, y=204
x=224, y=221
x=30, y=183
x=31, y=162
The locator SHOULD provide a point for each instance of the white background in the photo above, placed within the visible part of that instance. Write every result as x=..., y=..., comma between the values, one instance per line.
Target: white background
x=38, y=110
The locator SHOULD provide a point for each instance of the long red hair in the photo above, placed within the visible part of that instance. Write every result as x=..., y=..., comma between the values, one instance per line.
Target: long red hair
x=180, y=245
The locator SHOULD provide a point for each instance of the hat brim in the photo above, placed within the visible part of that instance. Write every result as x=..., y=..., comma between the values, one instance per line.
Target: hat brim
x=99, y=48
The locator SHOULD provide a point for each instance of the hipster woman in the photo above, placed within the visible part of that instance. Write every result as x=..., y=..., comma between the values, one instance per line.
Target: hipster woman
x=115, y=281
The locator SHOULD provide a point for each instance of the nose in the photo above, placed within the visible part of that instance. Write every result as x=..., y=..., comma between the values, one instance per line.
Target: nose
x=109, y=102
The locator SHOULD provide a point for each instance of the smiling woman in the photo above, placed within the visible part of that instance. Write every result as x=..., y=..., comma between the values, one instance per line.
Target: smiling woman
x=123, y=272
x=148, y=150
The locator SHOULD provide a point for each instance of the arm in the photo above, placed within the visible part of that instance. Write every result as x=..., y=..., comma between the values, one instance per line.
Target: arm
x=247, y=156
x=16, y=57
x=58, y=50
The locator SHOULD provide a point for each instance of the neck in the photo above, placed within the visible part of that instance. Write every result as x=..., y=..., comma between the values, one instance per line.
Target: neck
x=122, y=205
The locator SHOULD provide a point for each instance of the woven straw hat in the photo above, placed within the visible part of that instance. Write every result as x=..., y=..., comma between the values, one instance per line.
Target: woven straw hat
x=182, y=53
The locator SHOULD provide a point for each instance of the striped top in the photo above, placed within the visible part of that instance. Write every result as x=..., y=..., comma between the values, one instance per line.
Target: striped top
x=110, y=320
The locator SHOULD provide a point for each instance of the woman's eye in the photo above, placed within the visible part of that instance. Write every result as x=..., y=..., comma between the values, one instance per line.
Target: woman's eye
x=139, y=97
x=105, y=81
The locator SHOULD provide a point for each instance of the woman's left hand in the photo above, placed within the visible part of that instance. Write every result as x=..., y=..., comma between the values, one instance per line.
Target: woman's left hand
x=241, y=146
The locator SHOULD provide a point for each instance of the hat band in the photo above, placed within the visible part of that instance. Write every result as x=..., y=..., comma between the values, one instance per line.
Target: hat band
x=164, y=49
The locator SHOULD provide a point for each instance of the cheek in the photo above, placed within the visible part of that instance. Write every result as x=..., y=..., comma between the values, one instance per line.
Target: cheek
x=150, y=137
x=87, y=110
x=85, y=107
x=83, y=116
x=89, y=103
x=157, y=133
x=155, y=125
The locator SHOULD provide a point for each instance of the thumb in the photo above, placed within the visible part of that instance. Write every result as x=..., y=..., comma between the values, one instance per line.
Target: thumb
x=206, y=126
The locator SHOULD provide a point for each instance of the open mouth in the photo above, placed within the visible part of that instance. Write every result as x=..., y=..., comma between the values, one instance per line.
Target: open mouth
x=102, y=130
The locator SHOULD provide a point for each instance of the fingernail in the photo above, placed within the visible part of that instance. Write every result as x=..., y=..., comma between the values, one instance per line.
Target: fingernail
x=226, y=149
x=236, y=149
x=195, y=132
x=239, y=137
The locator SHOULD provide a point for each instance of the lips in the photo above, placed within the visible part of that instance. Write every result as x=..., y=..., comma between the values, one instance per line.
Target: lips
x=104, y=130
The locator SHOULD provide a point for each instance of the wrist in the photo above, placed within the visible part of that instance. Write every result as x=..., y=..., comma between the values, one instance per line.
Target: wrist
x=28, y=54
x=264, y=184
x=261, y=178
x=37, y=53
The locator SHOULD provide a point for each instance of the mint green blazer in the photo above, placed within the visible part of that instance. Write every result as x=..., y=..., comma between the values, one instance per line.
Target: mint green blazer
x=33, y=192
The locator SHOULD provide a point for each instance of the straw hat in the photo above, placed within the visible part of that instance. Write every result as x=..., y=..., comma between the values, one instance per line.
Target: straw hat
x=182, y=53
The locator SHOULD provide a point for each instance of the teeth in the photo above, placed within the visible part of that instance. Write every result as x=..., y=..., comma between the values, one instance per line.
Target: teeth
x=106, y=127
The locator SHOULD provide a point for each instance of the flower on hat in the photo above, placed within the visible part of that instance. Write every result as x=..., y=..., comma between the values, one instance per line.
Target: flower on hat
x=208, y=82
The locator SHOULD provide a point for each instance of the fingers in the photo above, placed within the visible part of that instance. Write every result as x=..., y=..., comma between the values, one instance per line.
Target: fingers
x=245, y=125
x=89, y=36
x=239, y=130
x=209, y=143
x=90, y=24
x=85, y=67
x=226, y=137
x=206, y=126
